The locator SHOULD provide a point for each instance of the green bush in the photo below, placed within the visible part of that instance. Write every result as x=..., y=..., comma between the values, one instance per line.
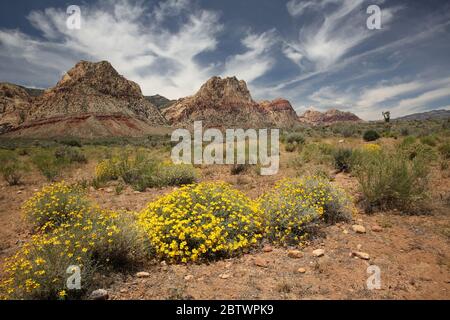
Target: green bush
x=72, y=143
x=342, y=159
x=371, y=135
x=142, y=171
x=70, y=155
x=295, y=138
x=11, y=168
x=392, y=180
x=444, y=149
x=290, y=147
x=429, y=140
x=48, y=164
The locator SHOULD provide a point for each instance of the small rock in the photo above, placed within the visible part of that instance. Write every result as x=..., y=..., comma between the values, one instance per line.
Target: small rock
x=359, y=246
x=318, y=252
x=301, y=270
x=100, y=294
x=295, y=254
x=341, y=141
x=267, y=248
x=224, y=276
x=377, y=228
x=142, y=274
x=261, y=262
x=91, y=189
x=228, y=265
x=109, y=190
x=189, y=277
x=361, y=255
x=136, y=192
x=345, y=231
x=19, y=192
x=358, y=228
x=35, y=190
x=123, y=291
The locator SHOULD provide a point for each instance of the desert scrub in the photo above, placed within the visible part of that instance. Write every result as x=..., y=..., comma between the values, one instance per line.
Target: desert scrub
x=392, y=179
x=294, y=205
x=95, y=240
x=11, y=167
x=201, y=221
x=342, y=159
x=54, y=205
x=444, y=150
x=70, y=155
x=143, y=172
x=46, y=162
x=371, y=135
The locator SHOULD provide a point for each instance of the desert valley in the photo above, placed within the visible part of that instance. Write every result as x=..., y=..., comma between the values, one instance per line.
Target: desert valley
x=87, y=180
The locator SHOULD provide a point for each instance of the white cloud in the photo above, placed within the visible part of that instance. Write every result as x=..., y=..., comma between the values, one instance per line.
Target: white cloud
x=400, y=98
x=136, y=40
x=256, y=60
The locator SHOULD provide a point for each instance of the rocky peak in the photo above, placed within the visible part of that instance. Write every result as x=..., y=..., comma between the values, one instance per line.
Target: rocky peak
x=228, y=89
x=99, y=77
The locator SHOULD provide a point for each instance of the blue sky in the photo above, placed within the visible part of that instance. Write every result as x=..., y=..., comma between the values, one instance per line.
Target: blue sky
x=317, y=54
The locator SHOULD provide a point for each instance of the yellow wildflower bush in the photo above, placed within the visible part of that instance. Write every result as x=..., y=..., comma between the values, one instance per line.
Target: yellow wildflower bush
x=372, y=147
x=200, y=221
x=54, y=205
x=89, y=237
x=106, y=170
x=294, y=205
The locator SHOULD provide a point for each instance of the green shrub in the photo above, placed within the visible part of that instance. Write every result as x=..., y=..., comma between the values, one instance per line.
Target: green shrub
x=371, y=135
x=318, y=153
x=429, y=140
x=444, y=149
x=295, y=138
x=342, y=159
x=295, y=205
x=392, y=180
x=48, y=164
x=70, y=155
x=72, y=143
x=11, y=168
x=290, y=147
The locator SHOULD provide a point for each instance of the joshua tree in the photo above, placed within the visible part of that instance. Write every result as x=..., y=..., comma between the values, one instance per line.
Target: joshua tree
x=387, y=116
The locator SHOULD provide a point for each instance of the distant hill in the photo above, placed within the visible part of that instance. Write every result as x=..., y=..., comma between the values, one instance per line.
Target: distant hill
x=314, y=118
x=160, y=101
x=434, y=114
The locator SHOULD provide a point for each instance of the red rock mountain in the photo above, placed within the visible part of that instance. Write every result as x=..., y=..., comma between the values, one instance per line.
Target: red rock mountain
x=14, y=105
x=313, y=117
x=91, y=100
x=227, y=103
